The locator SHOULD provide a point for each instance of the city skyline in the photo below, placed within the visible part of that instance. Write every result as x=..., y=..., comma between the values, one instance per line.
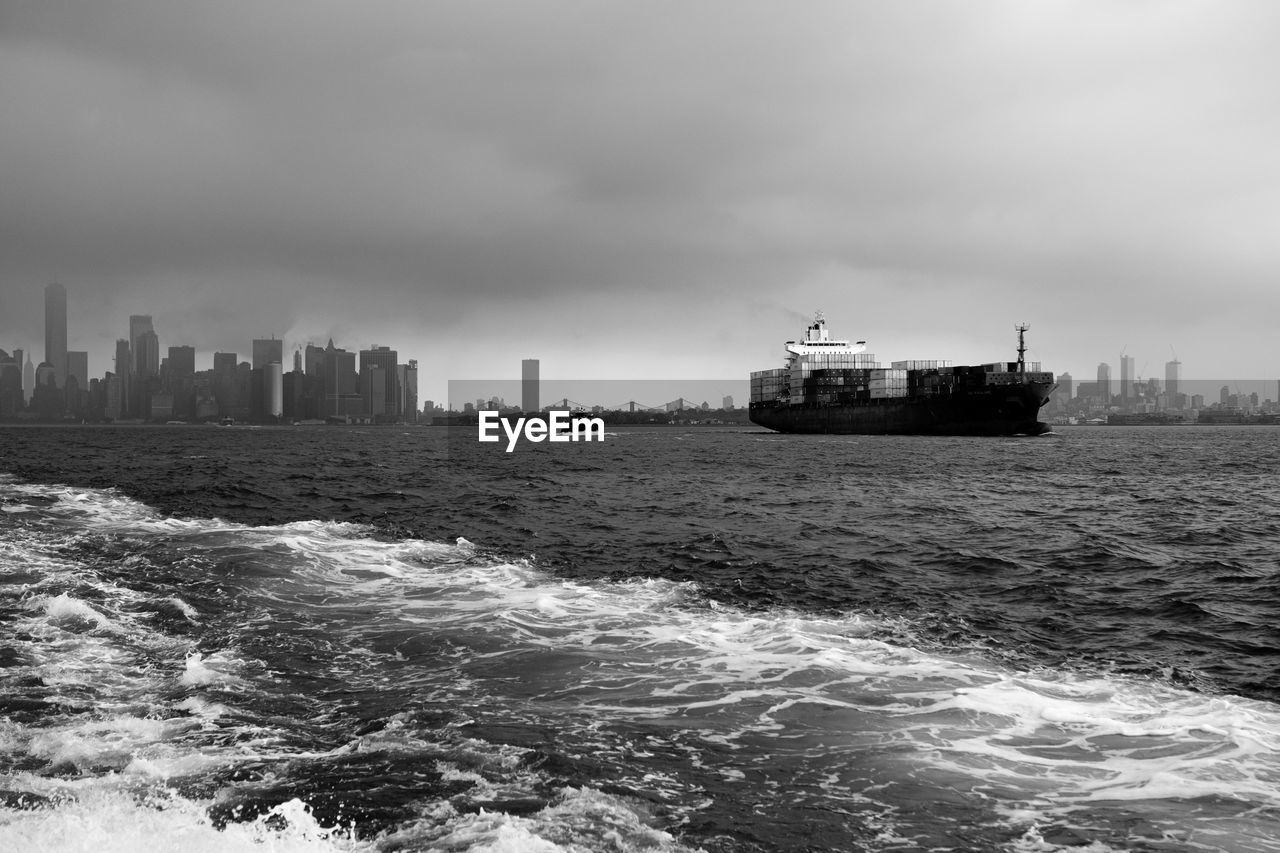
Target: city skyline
x=277, y=350
x=929, y=175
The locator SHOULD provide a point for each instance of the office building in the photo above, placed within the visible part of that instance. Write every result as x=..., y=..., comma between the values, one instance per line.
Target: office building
x=138, y=324
x=123, y=365
x=55, y=331
x=385, y=359
x=340, y=396
x=78, y=366
x=1104, y=383
x=409, y=390
x=1066, y=388
x=269, y=351
x=28, y=380
x=146, y=354
x=313, y=360
x=529, y=382
x=1126, y=379
x=273, y=390
x=182, y=361
x=1172, y=377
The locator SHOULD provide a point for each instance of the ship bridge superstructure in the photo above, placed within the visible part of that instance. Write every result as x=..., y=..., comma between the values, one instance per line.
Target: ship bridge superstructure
x=818, y=341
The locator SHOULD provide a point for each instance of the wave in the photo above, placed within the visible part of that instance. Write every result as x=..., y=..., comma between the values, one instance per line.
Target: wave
x=493, y=705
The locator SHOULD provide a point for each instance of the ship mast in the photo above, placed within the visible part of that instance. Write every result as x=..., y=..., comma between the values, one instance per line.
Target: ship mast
x=1022, y=347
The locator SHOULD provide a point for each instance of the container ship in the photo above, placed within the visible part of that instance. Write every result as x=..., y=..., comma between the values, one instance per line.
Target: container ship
x=835, y=386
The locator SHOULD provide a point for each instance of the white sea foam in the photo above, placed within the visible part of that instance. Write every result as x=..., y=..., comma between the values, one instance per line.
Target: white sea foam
x=110, y=819
x=65, y=608
x=185, y=609
x=579, y=820
x=218, y=669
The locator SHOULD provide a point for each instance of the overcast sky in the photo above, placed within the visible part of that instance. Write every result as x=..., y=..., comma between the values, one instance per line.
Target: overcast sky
x=648, y=189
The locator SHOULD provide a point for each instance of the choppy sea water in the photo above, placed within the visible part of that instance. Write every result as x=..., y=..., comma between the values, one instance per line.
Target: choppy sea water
x=708, y=639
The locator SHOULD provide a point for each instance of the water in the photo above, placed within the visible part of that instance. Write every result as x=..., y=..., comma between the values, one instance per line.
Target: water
x=715, y=639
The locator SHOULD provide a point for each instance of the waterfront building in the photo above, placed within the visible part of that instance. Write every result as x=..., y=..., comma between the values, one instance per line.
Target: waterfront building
x=1104, y=383
x=1126, y=379
x=273, y=390
x=1172, y=377
x=373, y=382
x=385, y=359
x=341, y=399
x=55, y=331
x=78, y=366
x=180, y=380
x=146, y=374
x=313, y=360
x=28, y=380
x=112, y=396
x=123, y=364
x=10, y=384
x=408, y=382
x=138, y=324
x=20, y=359
x=268, y=351
x=226, y=384
x=529, y=382
x=146, y=354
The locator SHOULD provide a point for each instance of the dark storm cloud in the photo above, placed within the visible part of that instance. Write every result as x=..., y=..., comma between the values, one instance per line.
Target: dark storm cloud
x=414, y=169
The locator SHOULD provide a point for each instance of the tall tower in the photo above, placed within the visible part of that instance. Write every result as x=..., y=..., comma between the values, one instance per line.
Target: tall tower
x=55, y=330
x=529, y=385
x=138, y=325
x=1104, y=383
x=384, y=400
x=28, y=380
x=1172, y=377
x=146, y=355
x=409, y=382
x=124, y=355
x=269, y=351
x=1126, y=378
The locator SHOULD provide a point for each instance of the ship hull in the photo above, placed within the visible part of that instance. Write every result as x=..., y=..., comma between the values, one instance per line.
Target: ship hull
x=989, y=411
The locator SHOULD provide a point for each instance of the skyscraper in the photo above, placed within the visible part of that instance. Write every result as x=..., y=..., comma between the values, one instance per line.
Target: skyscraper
x=340, y=397
x=273, y=390
x=385, y=359
x=1104, y=383
x=124, y=358
x=146, y=355
x=78, y=366
x=138, y=324
x=409, y=390
x=529, y=385
x=1172, y=377
x=28, y=380
x=55, y=330
x=1126, y=378
x=268, y=351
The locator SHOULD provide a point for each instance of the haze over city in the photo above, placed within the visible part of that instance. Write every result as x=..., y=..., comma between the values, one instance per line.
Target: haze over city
x=647, y=190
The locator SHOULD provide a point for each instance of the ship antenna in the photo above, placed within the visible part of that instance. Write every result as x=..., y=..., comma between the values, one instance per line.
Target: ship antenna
x=1022, y=347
